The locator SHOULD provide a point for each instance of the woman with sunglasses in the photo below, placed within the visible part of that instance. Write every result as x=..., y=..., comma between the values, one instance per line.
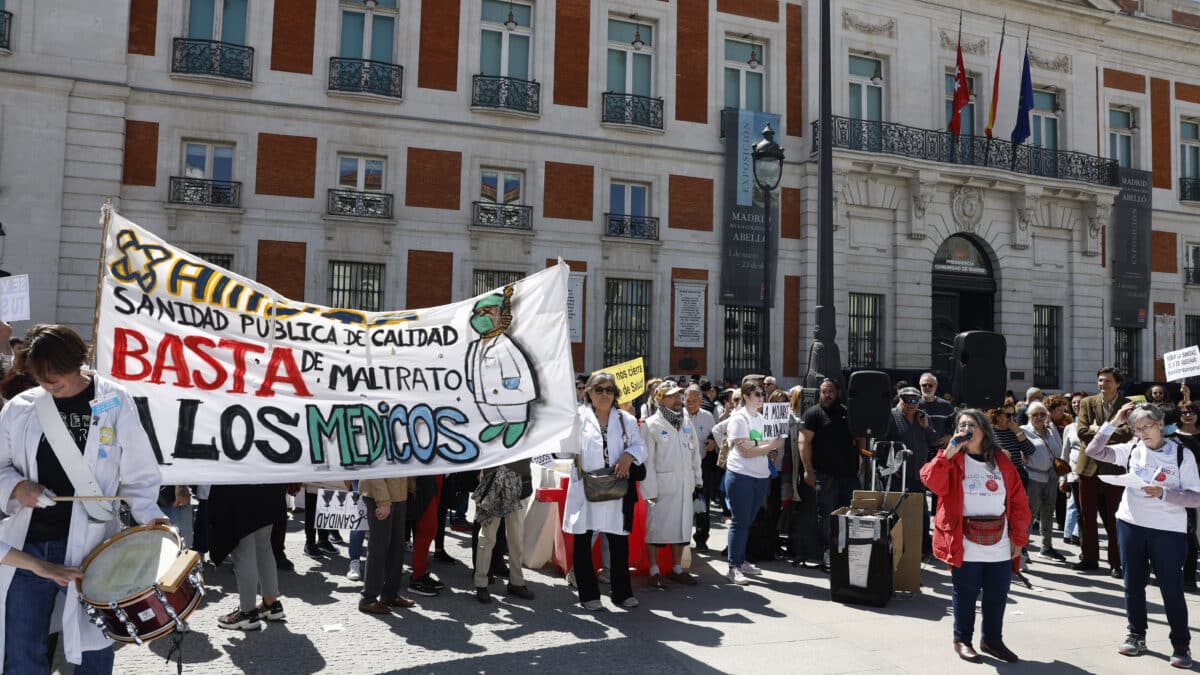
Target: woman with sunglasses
x=1152, y=521
x=1016, y=444
x=982, y=523
x=747, y=476
x=608, y=437
x=1187, y=433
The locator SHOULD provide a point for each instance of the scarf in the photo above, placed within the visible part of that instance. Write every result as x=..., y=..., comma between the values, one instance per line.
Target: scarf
x=673, y=418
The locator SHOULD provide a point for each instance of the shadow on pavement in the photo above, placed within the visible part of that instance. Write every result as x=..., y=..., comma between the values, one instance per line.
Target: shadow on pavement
x=261, y=651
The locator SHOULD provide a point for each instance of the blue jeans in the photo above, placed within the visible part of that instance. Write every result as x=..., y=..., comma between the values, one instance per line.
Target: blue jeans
x=744, y=496
x=1141, y=549
x=181, y=519
x=1071, y=527
x=993, y=579
x=833, y=492
x=27, y=611
x=357, y=536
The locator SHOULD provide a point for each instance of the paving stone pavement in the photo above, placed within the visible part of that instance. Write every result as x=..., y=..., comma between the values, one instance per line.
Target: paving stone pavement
x=783, y=622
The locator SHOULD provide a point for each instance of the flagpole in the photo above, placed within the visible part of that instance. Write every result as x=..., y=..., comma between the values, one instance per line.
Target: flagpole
x=105, y=219
x=1012, y=160
x=987, y=155
x=954, y=137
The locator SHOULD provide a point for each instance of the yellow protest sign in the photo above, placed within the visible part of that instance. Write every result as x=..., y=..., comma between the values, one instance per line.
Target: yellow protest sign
x=630, y=377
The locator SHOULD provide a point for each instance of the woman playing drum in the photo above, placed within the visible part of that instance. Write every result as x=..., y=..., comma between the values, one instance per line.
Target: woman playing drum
x=102, y=419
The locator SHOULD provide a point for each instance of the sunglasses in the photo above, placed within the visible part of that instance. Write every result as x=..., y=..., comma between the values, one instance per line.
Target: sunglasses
x=928, y=385
x=1187, y=412
x=911, y=401
x=605, y=390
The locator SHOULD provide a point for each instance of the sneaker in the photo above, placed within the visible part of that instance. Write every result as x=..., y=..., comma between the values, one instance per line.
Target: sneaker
x=312, y=550
x=630, y=602
x=423, y=587
x=271, y=612
x=240, y=620
x=1181, y=658
x=602, y=577
x=1117, y=572
x=1051, y=554
x=1134, y=645
x=736, y=577
x=355, y=573
x=335, y=537
x=433, y=581
x=1085, y=566
x=327, y=547
x=749, y=569
x=593, y=605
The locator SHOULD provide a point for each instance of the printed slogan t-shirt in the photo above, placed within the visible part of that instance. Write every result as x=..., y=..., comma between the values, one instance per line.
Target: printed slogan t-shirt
x=47, y=524
x=1155, y=467
x=984, y=494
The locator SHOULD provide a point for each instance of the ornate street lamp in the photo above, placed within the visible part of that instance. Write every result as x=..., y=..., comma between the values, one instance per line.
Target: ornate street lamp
x=768, y=169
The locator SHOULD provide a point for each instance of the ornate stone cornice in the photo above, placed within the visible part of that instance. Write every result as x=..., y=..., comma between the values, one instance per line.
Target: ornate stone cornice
x=969, y=46
x=870, y=26
x=1059, y=63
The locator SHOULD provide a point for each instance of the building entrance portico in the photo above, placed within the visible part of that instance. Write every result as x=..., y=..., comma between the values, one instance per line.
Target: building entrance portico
x=963, y=296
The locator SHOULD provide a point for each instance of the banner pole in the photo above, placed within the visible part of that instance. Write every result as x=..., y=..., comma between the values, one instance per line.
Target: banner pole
x=105, y=218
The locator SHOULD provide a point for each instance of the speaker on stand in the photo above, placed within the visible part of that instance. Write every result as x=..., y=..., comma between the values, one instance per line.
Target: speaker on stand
x=869, y=408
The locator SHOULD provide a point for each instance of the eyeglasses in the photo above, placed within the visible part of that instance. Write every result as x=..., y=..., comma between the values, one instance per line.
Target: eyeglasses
x=1143, y=429
x=968, y=425
x=928, y=385
x=1037, y=414
x=757, y=392
x=605, y=390
x=910, y=400
x=1187, y=412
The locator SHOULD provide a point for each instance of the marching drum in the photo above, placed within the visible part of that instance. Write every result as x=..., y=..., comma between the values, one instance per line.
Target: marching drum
x=140, y=584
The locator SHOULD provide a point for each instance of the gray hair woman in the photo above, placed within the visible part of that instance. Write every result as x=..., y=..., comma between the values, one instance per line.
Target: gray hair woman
x=1043, y=483
x=1152, y=521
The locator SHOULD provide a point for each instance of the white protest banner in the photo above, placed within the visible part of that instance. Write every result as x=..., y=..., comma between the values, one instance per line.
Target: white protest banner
x=1182, y=363
x=235, y=383
x=775, y=419
x=14, y=298
x=340, y=510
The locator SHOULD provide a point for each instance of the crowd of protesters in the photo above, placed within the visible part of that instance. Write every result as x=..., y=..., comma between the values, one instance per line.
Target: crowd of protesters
x=997, y=480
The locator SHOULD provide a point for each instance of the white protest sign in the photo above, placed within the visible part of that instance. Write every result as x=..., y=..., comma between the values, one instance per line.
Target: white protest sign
x=1182, y=363
x=775, y=419
x=340, y=510
x=14, y=298
x=231, y=380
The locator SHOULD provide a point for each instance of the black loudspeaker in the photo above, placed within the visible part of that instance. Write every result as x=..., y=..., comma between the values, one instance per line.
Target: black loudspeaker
x=869, y=402
x=980, y=374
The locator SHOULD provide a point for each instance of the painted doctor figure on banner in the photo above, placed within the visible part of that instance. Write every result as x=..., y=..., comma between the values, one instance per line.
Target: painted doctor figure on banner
x=498, y=372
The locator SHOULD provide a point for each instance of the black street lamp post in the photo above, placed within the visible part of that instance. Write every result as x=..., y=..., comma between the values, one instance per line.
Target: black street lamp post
x=768, y=169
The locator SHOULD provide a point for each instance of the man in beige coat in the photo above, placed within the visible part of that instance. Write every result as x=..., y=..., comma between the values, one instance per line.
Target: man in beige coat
x=672, y=474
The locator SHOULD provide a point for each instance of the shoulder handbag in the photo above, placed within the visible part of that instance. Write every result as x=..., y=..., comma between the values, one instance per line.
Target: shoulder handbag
x=601, y=485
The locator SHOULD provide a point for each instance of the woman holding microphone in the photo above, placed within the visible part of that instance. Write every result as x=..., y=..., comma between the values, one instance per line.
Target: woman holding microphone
x=981, y=525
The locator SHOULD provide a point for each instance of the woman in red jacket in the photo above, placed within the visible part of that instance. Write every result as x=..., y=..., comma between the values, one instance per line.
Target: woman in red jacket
x=982, y=523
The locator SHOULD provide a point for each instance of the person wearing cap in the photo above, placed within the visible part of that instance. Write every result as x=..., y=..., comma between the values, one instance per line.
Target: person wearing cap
x=498, y=372
x=911, y=426
x=672, y=475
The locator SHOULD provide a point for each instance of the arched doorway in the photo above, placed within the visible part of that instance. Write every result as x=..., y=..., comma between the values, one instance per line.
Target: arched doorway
x=963, y=295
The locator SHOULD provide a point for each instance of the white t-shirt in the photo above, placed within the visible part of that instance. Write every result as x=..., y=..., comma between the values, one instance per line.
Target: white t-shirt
x=740, y=425
x=1156, y=467
x=984, y=494
x=704, y=425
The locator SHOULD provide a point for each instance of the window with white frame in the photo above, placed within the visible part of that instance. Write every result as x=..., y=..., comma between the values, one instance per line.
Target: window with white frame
x=506, y=32
x=218, y=20
x=1189, y=148
x=1046, y=111
x=745, y=75
x=1120, y=135
x=208, y=161
x=630, y=67
x=968, y=111
x=369, y=30
x=356, y=285
x=628, y=199
x=866, y=87
x=361, y=174
x=500, y=186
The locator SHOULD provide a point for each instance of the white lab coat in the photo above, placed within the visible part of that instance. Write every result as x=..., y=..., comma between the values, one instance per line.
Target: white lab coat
x=129, y=470
x=580, y=515
x=672, y=473
x=499, y=374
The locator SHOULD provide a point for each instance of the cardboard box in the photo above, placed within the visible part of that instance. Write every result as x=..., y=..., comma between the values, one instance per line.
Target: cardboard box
x=907, y=533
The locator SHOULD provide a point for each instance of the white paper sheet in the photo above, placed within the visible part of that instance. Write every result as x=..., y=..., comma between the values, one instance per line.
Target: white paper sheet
x=1124, y=480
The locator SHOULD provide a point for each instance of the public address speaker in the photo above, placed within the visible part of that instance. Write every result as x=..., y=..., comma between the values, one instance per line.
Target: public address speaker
x=869, y=402
x=980, y=374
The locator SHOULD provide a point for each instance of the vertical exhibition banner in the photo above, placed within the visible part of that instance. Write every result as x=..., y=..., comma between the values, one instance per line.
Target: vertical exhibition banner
x=1130, y=246
x=747, y=243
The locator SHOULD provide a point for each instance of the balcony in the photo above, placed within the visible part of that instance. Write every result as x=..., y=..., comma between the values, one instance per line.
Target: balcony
x=502, y=216
x=212, y=58
x=1189, y=189
x=978, y=151
x=491, y=92
x=632, y=110
x=1191, y=276
x=202, y=192
x=354, y=204
x=632, y=227
x=363, y=76
x=5, y=30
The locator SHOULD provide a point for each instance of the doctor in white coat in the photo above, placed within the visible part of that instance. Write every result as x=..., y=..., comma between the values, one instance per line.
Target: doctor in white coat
x=673, y=472
x=499, y=374
x=116, y=450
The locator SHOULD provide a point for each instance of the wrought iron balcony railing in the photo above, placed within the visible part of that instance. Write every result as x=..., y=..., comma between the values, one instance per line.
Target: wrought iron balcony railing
x=633, y=110
x=1189, y=189
x=632, y=227
x=506, y=216
x=942, y=146
x=5, y=29
x=506, y=93
x=203, y=192
x=1191, y=276
x=209, y=57
x=364, y=76
x=360, y=204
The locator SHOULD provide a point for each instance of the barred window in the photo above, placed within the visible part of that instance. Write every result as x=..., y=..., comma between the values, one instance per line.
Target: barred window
x=223, y=260
x=355, y=285
x=866, y=330
x=626, y=321
x=1125, y=352
x=486, y=280
x=1046, y=322
x=1191, y=330
x=743, y=341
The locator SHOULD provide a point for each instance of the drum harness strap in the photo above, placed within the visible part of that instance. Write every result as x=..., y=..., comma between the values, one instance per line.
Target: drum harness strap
x=70, y=458
x=177, y=648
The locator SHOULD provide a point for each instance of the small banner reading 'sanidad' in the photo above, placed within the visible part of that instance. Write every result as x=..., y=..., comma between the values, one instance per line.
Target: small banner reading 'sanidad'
x=236, y=384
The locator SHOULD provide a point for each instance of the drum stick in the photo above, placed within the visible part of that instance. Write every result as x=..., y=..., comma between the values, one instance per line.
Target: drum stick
x=95, y=498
